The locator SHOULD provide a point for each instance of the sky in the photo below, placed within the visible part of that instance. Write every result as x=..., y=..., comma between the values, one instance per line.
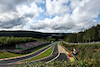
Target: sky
x=53, y=16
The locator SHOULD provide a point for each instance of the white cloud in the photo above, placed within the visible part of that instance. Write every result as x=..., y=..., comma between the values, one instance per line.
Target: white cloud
x=74, y=3
x=69, y=15
x=84, y=14
x=56, y=24
x=56, y=7
x=15, y=13
x=81, y=18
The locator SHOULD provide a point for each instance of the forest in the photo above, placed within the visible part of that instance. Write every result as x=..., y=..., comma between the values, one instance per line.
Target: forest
x=90, y=35
x=12, y=41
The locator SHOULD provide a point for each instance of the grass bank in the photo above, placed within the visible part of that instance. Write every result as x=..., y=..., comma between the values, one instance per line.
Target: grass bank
x=59, y=64
x=89, y=52
x=9, y=55
x=46, y=53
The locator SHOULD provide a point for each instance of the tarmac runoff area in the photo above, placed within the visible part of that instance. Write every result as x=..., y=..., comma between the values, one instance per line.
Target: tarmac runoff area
x=70, y=56
x=62, y=56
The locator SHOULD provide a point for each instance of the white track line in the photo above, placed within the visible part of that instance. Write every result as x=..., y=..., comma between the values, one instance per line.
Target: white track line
x=55, y=57
x=31, y=57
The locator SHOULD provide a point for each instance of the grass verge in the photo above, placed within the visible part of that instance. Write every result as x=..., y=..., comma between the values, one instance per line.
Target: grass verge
x=89, y=52
x=46, y=53
x=60, y=64
x=9, y=55
x=39, y=48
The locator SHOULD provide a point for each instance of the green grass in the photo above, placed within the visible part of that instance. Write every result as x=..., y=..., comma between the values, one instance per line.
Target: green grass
x=46, y=53
x=9, y=55
x=39, y=48
x=60, y=64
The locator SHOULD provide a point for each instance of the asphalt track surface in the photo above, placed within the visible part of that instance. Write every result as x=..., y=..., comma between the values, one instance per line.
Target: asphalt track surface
x=30, y=50
x=61, y=57
x=5, y=63
x=54, y=54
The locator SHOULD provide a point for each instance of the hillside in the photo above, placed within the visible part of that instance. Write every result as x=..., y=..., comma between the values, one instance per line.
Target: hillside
x=10, y=38
x=90, y=35
x=34, y=34
x=20, y=33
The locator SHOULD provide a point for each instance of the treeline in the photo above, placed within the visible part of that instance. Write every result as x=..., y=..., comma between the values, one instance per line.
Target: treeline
x=21, y=34
x=34, y=34
x=90, y=35
x=12, y=41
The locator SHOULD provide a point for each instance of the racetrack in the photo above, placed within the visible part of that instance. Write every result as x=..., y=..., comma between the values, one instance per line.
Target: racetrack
x=57, y=54
x=62, y=56
x=5, y=63
x=54, y=54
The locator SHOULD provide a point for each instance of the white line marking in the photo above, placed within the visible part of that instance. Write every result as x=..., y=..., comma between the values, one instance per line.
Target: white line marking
x=55, y=57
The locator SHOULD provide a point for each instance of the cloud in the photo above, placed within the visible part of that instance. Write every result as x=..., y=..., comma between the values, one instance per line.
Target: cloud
x=57, y=23
x=17, y=12
x=86, y=11
x=57, y=15
x=56, y=7
x=12, y=23
x=84, y=14
x=70, y=16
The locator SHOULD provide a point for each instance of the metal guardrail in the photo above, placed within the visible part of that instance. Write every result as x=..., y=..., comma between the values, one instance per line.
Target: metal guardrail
x=82, y=43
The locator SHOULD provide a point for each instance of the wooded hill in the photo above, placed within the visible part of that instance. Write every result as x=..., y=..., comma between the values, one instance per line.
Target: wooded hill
x=21, y=33
x=34, y=34
x=90, y=35
x=11, y=38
